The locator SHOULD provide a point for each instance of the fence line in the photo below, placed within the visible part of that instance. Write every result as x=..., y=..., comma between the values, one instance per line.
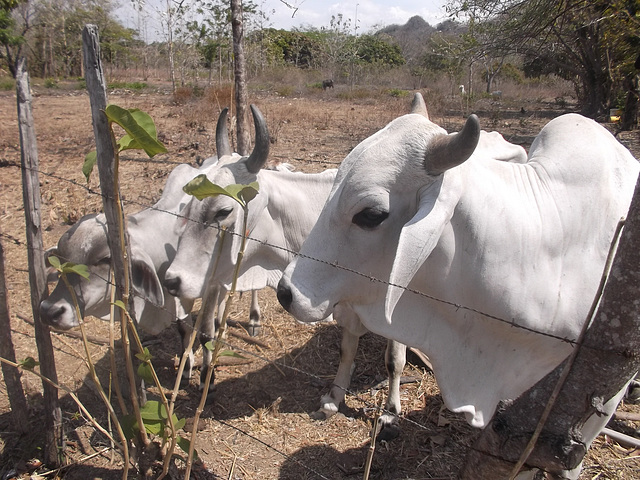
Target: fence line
x=512, y=323
x=370, y=405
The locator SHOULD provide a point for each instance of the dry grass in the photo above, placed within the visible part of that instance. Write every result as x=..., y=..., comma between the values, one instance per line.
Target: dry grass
x=258, y=427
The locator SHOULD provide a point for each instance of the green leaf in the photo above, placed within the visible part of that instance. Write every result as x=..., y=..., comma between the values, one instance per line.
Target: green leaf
x=54, y=261
x=129, y=426
x=141, y=131
x=144, y=372
x=29, y=363
x=185, y=444
x=68, y=267
x=201, y=187
x=178, y=423
x=154, y=411
x=89, y=162
x=120, y=304
x=157, y=428
x=230, y=353
x=209, y=345
x=145, y=355
x=78, y=268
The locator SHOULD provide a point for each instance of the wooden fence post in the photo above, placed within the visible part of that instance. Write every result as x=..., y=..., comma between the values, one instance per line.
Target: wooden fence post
x=604, y=363
x=37, y=271
x=11, y=375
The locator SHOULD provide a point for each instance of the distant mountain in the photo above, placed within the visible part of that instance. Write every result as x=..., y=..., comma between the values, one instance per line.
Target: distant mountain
x=413, y=36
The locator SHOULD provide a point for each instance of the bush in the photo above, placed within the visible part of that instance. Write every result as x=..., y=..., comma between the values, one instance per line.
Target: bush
x=7, y=84
x=398, y=93
x=51, y=83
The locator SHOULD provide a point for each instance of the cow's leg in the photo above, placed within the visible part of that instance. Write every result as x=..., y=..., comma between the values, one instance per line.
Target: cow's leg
x=255, y=321
x=330, y=402
x=395, y=358
x=185, y=327
x=210, y=324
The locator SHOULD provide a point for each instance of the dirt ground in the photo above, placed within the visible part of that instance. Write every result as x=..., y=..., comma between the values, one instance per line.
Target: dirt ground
x=258, y=426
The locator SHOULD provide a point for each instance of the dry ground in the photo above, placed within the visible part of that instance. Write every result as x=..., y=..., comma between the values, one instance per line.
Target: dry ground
x=258, y=427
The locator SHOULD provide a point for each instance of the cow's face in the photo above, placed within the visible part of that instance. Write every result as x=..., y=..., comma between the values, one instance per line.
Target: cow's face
x=201, y=241
x=85, y=243
x=381, y=187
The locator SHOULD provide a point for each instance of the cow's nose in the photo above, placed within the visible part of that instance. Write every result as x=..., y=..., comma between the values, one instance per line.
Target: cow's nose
x=173, y=285
x=50, y=312
x=285, y=297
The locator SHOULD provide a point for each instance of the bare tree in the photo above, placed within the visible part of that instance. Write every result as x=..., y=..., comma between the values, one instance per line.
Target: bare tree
x=241, y=95
x=581, y=41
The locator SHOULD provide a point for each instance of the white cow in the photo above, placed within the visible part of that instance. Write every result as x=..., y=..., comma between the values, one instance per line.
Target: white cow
x=280, y=218
x=455, y=239
x=153, y=242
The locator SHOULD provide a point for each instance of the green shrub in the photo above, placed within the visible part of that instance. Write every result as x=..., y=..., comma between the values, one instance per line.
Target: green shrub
x=285, y=91
x=398, y=93
x=7, y=84
x=51, y=83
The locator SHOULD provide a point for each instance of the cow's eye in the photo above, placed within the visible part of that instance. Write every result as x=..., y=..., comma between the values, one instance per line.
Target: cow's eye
x=222, y=214
x=370, y=217
x=105, y=261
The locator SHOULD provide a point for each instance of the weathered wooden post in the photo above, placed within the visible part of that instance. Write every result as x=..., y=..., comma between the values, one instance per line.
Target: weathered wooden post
x=239, y=69
x=108, y=171
x=37, y=271
x=608, y=357
x=11, y=375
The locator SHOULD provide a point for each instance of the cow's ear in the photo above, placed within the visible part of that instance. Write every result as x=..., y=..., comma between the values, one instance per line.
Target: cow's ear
x=418, y=238
x=145, y=282
x=52, y=273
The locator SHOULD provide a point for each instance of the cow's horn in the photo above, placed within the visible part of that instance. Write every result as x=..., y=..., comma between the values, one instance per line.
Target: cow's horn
x=222, y=136
x=258, y=157
x=448, y=151
x=418, y=106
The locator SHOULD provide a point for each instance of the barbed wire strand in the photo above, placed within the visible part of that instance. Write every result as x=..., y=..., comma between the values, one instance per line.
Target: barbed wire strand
x=512, y=323
x=369, y=405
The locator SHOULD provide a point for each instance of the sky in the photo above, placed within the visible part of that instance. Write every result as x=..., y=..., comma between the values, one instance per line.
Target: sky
x=288, y=14
x=369, y=14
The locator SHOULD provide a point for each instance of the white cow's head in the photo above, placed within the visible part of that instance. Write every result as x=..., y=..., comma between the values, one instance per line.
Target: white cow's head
x=86, y=243
x=204, y=220
x=384, y=216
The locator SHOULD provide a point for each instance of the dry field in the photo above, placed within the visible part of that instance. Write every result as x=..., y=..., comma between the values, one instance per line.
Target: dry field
x=258, y=426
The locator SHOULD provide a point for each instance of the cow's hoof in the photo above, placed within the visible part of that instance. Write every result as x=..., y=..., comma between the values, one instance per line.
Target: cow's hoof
x=388, y=428
x=318, y=415
x=254, y=330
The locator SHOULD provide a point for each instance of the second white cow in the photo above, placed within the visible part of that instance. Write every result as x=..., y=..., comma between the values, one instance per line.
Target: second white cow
x=460, y=241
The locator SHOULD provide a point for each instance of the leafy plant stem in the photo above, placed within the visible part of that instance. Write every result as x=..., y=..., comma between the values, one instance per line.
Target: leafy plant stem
x=144, y=438
x=218, y=343
x=112, y=354
x=74, y=397
x=94, y=377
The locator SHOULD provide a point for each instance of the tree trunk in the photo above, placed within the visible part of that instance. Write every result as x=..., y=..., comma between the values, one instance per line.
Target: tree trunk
x=241, y=95
x=605, y=361
x=37, y=272
x=11, y=375
x=630, y=113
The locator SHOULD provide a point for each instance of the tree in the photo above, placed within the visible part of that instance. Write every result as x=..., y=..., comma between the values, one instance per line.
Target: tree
x=239, y=70
x=582, y=41
x=378, y=50
x=11, y=41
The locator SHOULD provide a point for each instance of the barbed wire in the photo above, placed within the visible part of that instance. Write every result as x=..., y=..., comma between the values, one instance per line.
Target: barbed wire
x=511, y=323
x=347, y=391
